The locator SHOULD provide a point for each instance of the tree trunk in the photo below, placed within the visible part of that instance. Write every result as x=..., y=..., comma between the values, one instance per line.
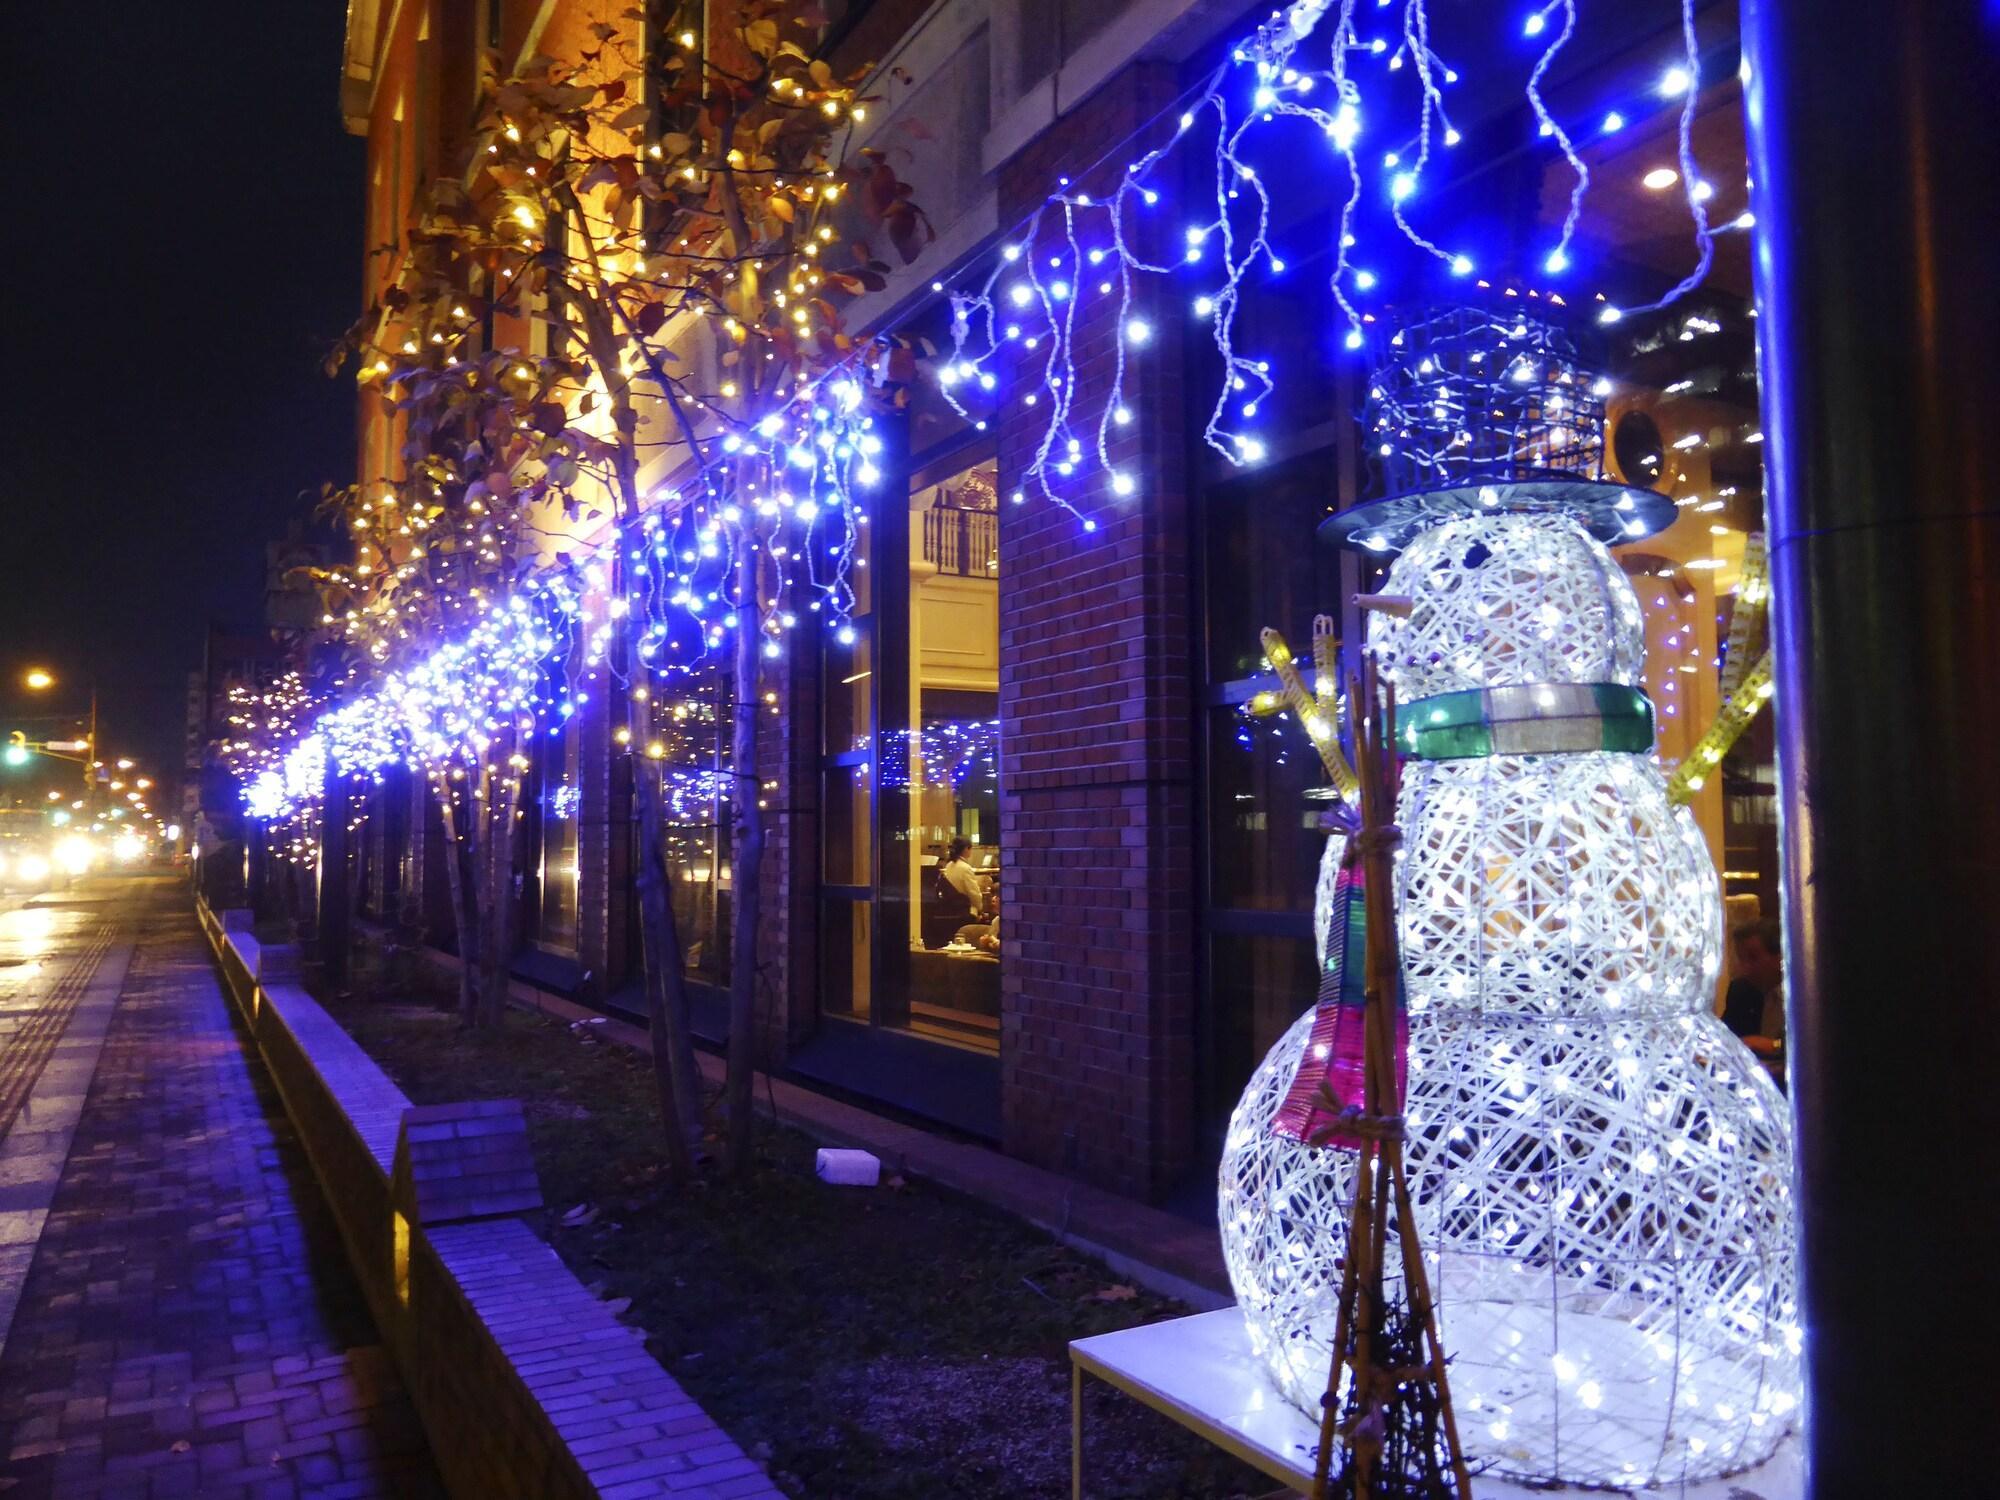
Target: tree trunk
x=666, y=980
x=501, y=782
x=456, y=873
x=747, y=859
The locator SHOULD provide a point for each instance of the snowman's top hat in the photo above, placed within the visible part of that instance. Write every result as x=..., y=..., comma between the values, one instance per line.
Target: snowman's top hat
x=1474, y=410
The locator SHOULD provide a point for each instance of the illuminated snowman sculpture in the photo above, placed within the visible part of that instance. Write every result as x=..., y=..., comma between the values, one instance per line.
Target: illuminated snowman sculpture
x=1602, y=1172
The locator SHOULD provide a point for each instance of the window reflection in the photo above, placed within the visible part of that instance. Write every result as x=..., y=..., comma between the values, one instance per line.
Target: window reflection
x=1258, y=986
x=850, y=669
x=943, y=768
x=1263, y=565
x=1264, y=843
x=691, y=728
x=847, y=801
x=846, y=959
x=561, y=799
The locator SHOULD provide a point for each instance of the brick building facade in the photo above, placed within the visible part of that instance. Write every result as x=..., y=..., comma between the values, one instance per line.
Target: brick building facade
x=1149, y=883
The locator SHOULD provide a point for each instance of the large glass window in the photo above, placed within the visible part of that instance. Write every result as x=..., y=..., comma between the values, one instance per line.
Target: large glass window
x=847, y=801
x=912, y=872
x=692, y=737
x=946, y=772
x=557, y=805
x=1259, y=567
x=1260, y=983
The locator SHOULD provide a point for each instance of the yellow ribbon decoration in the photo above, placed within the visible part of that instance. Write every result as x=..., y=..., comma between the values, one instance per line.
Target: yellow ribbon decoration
x=1753, y=594
x=1737, y=711
x=1326, y=669
x=1319, y=725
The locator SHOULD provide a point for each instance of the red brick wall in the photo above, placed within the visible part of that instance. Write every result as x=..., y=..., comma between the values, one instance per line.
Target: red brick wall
x=1097, y=993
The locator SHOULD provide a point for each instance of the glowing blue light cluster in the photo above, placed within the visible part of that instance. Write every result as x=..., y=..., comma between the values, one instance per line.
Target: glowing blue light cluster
x=362, y=738
x=948, y=753
x=1073, y=267
x=294, y=785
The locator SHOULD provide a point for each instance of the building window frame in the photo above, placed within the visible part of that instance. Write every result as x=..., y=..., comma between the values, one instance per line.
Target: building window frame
x=889, y=621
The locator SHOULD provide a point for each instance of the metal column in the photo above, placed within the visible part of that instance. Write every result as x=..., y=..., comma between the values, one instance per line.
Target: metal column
x=1875, y=158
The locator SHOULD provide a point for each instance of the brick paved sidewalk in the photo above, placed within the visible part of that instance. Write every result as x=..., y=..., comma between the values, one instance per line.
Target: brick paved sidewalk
x=189, y=1326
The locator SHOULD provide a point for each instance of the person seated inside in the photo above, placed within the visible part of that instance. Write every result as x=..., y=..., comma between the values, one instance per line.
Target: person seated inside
x=1754, y=1007
x=957, y=873
x=957, y=896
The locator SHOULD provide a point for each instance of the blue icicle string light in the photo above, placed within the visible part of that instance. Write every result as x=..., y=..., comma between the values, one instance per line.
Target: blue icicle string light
x=1037, y=295
x=809, y=462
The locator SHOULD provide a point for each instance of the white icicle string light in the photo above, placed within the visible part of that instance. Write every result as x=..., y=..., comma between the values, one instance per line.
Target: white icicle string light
x=1685, y=79
x=1558, y=258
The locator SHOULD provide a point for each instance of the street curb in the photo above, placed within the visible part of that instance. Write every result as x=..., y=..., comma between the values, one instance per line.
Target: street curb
x=528, y=1387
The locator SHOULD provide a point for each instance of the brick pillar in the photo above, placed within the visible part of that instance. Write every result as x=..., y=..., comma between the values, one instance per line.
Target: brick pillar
x=1095, y=700
x=788, y=752
x=592, y=725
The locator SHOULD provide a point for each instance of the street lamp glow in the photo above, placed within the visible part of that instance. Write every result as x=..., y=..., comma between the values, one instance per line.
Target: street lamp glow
x=37, y=679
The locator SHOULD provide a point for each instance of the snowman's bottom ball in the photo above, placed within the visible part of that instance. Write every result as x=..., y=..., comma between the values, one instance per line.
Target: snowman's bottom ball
x=1606, y=1214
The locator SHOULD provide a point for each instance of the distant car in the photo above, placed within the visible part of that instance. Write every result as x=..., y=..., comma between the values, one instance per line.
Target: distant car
x=26, y=866
x=43, y=864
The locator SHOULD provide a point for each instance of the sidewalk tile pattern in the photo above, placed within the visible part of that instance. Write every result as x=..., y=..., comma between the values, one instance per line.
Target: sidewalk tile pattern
x=189, y=1326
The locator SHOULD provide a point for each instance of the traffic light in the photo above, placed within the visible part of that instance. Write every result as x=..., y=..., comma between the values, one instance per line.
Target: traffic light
x=17, y=751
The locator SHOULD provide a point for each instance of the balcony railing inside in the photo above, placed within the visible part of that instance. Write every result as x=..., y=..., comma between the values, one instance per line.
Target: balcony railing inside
x=964, y=542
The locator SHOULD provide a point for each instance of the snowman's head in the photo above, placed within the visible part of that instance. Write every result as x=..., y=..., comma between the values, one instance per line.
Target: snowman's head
x=1502, y=598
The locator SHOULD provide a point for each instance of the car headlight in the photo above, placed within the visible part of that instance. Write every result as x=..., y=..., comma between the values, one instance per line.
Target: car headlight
x=74, y=854
x=32, y=867
x=129, y=847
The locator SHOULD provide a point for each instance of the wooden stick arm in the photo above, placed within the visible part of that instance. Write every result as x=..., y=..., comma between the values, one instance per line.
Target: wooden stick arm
x=1399, y=605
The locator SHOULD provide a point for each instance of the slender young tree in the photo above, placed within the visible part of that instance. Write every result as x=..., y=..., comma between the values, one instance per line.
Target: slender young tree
x=622, y=320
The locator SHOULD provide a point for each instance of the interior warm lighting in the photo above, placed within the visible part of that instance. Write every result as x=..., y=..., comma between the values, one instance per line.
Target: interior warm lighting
x=1660, y=178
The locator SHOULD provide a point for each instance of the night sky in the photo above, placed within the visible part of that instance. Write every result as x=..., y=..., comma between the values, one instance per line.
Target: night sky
x=183, y=233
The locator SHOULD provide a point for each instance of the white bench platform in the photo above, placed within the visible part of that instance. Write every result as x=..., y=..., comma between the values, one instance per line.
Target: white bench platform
x=1199, y=1372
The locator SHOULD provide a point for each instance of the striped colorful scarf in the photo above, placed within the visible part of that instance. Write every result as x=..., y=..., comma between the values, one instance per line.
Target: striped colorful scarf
x=1332, y=1076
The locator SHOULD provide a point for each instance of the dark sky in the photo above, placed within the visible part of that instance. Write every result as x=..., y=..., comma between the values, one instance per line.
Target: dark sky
x=183, y=232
